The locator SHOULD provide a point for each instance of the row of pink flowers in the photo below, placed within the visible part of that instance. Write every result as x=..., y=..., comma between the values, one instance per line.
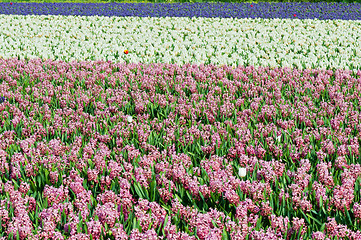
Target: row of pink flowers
x=273, y=127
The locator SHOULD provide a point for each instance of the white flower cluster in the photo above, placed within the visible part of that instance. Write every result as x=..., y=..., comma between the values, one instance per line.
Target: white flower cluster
x=242, y=172
x=297, y=43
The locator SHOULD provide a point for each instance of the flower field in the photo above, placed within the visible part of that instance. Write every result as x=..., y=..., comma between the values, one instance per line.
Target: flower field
x=125, y=121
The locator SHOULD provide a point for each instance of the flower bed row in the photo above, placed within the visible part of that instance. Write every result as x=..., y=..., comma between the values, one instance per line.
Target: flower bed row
x=98, y=149
x=295, y=43
x=265, y=10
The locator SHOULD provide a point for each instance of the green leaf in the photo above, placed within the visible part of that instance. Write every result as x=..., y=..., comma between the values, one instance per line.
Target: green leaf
x=138, y=190
x=101, y=230
x=40, y=202
x=165, y=220
x=306, y=218
x=152, y=189
x=161, y=227
x=203, y=200
x=166, y=207
x=259, y=222
x=189, y=195
x=134, y=223
x=224, y=234
x=214, y=224
x=79, y=228
x=348, y=215
x=38, y=179
x=314, y=219
x=179, y=198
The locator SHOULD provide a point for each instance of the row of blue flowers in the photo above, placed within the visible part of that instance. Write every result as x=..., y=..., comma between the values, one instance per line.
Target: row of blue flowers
x=319, y=10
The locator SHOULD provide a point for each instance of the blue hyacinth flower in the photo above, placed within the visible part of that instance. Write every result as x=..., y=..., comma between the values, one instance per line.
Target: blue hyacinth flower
x=2, y=99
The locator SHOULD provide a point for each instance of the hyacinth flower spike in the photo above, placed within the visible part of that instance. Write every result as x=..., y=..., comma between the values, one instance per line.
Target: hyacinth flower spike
x=2, y=99
x=242, y=172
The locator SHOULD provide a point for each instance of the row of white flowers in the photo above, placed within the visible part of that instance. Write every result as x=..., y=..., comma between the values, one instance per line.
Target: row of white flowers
x=307, y=43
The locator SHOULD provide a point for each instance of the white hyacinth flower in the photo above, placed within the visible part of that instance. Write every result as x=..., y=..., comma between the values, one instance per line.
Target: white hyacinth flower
x=278, y=138
x=129, y=118
x=128, y=35
x=242, y=172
